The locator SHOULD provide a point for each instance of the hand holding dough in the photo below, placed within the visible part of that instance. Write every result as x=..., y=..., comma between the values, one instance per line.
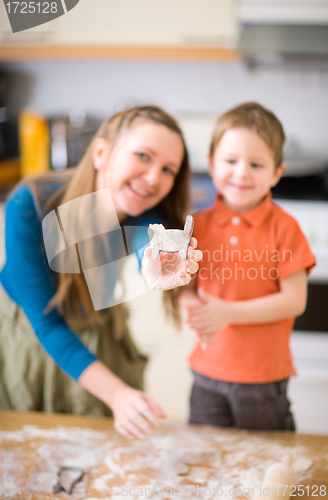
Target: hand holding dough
x=275, y=480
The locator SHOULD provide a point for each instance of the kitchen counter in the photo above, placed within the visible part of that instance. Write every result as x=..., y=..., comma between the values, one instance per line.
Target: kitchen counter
x=38, y=449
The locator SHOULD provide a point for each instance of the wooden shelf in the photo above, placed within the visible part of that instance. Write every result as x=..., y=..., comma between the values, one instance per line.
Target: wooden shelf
x=69, y=52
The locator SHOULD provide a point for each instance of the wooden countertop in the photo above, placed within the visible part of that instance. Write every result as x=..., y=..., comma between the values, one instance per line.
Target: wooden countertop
x=177, y=456
x=15, y=420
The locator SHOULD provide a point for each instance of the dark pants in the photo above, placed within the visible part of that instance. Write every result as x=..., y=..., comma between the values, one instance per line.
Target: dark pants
x=246, y=406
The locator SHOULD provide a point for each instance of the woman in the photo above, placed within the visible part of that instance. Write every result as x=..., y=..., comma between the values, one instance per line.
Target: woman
x=139, y=157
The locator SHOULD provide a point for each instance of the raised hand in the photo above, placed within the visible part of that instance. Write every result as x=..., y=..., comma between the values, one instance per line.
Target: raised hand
x=168, y=270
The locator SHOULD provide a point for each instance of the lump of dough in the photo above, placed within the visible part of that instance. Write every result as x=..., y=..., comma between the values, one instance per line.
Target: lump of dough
x=278, y=474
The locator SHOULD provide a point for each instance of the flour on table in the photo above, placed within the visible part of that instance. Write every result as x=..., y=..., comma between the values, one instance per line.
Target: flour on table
x=301, y=464
x=172, y=457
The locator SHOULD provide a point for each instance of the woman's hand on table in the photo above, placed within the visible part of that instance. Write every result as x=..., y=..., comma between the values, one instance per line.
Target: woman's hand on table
x=169, y=271
x=136, y=414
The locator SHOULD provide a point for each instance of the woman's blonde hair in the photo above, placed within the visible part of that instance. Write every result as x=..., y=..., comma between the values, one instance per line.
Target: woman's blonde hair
x=72, y=298
x=252, y=116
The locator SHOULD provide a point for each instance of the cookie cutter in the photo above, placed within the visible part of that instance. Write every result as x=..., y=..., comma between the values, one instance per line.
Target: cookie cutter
x=68, y=477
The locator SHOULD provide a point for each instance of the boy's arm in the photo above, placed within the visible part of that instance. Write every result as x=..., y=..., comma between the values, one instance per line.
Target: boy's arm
x=216, y=314
x=290, y=301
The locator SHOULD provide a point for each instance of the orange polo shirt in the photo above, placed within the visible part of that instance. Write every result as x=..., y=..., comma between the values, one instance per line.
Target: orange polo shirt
x=244, y=257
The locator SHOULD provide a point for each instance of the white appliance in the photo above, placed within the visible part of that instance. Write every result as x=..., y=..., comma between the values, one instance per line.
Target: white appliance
x=308, y=391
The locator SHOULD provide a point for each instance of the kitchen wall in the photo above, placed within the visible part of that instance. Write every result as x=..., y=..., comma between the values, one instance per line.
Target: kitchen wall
x=297, y=95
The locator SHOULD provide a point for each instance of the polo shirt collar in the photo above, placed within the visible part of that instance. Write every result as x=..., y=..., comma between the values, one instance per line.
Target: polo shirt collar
x=254, y=217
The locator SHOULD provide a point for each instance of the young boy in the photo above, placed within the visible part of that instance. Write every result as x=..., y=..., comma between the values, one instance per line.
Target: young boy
x=251, y=282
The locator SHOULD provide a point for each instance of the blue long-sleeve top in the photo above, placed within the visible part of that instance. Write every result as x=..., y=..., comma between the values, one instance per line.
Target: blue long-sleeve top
x=29, y=281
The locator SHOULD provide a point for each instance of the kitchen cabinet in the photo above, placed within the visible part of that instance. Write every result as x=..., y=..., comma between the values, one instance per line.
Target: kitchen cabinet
x=308, y=391
x=149, y=22
x=192, y=29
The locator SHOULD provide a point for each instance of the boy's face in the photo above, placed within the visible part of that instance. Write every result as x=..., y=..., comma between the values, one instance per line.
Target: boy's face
x=243, y=169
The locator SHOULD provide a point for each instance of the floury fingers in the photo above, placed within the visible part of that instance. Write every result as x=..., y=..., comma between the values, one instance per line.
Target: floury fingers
x=186, y=490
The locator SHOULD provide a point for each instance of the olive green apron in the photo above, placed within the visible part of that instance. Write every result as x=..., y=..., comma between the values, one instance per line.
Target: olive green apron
x=31, y=381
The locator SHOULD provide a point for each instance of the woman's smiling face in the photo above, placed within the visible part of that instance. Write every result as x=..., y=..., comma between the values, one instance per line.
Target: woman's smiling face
x=141, y=168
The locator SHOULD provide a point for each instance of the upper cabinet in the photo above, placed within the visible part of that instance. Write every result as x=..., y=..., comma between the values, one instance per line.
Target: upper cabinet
x=149, y=23
x=163, y=29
